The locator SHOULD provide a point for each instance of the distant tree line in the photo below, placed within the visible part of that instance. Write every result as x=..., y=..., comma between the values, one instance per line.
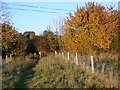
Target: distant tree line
x=18, y=44
x=47, y=42
x=15, y=43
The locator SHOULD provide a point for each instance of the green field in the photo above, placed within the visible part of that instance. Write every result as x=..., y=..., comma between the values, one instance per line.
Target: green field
x=52, y=72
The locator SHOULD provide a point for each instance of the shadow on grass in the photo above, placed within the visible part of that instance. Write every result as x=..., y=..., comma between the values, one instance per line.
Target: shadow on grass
x=25, y=75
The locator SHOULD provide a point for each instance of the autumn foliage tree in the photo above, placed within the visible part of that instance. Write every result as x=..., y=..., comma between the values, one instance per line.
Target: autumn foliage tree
x=12, y=42
x=91, y=26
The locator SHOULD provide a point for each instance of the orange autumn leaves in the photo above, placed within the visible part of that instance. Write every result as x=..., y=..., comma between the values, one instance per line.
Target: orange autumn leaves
x=12, y=41
x=90, y=26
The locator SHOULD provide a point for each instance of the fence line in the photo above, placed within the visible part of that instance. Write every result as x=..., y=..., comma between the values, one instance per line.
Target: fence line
x=9, y=58
x=93, y=63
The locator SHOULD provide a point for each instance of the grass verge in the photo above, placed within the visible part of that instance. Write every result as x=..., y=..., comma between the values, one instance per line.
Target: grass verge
x=51, y=72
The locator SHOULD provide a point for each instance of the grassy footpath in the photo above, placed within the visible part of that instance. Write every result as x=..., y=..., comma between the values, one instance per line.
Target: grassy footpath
x=51, y=72
x=15, y=74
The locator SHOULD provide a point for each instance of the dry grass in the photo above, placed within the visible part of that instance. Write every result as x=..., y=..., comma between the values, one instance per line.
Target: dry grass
x=14, y=71
x=105, y=63
x=54, y=72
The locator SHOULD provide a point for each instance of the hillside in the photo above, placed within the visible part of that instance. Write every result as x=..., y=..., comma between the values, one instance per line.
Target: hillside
x=51, y=72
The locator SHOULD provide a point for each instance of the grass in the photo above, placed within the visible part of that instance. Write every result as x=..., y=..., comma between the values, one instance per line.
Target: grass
x=104, y=63
x=53, y=72
x=15, y=73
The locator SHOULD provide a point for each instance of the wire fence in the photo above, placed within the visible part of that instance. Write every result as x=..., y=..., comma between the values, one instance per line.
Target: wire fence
x=104, y=64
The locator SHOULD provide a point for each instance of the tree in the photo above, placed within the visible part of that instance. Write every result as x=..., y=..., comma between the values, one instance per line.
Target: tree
x=30, y=47
x=91, y=26
x=3, y=17
x=12, y=41
x=59, y=26
x=39, y=43
x=47, y=42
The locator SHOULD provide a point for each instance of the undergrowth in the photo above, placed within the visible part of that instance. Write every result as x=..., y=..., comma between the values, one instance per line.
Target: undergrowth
x=53, y=72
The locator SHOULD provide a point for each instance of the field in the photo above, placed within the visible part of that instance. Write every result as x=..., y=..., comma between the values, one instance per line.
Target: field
x=77, y=49
x=52, y=72
x=15, y=73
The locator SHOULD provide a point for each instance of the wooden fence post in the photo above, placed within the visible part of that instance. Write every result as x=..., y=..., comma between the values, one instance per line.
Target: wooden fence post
x=76, y=58
x=68, y=56
x=83, y=63
x=34, y=55
x=62, y=55
x=40, y=55
x=92, y=64
x=10, y=57
x=55, y=53
x=6, y=58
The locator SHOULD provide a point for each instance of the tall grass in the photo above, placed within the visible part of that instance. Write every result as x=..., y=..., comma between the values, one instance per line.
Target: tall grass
x=14, y=71
x=54, y=72
x=105, y=65
x=57, y=72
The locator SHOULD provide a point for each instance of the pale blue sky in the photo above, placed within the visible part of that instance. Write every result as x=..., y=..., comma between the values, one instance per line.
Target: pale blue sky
x=38, y=21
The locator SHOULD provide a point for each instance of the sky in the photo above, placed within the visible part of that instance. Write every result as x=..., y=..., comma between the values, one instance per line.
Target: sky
x=45, y=15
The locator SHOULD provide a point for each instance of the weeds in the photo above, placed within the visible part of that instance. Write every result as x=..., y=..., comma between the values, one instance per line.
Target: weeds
x=14, y=73
x=53, y=72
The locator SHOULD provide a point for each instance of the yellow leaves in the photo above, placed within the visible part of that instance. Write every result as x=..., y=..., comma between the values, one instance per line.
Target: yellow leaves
x=91, y=25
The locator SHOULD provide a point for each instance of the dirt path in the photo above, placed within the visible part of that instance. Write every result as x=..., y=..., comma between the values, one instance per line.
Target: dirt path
x=27, y=73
